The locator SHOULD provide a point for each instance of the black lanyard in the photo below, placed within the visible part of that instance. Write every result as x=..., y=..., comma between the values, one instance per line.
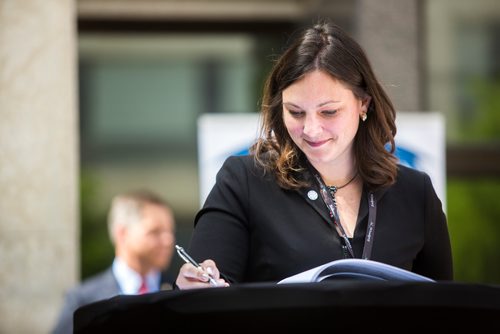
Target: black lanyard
x=334, y=215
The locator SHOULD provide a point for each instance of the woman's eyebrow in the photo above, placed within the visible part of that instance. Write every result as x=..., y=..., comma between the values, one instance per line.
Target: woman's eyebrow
x=319, y=105
x=327, y=102
x=291, y=105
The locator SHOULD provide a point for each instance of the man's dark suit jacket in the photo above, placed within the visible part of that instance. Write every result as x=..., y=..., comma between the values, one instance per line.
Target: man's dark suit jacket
x=101, y=286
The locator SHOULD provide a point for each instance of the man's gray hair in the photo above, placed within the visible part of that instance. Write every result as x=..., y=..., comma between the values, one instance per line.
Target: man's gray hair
x=126, y=209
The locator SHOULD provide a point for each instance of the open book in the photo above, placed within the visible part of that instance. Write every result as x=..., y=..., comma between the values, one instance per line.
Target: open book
x=355, y=269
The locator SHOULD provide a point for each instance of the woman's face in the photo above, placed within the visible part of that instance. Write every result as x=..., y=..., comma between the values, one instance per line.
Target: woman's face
x=322, y=117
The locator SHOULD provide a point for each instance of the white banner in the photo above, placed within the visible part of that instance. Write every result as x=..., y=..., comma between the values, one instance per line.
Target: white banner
x=420, y=144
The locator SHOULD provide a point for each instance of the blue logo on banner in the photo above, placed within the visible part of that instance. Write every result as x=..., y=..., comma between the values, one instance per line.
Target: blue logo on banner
x=244, y=151
x=405, y=156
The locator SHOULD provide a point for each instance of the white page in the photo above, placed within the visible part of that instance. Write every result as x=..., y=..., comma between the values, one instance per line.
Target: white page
x=305, y=276
x=355, y=268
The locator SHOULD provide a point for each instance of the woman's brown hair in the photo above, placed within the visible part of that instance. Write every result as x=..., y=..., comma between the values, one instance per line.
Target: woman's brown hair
x=328, y=48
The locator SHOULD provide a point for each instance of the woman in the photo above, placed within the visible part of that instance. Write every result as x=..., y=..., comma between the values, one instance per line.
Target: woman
x=320, y=184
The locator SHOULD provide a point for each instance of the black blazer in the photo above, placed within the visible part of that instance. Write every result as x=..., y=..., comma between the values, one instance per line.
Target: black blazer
x=256, y=231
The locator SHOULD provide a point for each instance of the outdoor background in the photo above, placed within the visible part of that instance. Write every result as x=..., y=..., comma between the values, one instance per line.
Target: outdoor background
x=103, y=96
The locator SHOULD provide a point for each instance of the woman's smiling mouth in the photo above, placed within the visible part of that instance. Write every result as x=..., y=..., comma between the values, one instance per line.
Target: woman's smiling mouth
x=316, y=143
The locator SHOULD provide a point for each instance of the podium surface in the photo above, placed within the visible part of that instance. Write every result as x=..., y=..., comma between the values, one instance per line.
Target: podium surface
x=356, y=306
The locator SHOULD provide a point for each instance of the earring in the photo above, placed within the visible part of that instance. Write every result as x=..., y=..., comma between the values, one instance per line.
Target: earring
x=364, y=117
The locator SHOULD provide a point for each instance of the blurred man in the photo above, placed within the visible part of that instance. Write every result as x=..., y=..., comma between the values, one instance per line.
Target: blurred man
x=142, y=228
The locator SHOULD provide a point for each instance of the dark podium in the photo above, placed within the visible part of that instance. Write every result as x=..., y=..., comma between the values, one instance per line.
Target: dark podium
x=329, y=306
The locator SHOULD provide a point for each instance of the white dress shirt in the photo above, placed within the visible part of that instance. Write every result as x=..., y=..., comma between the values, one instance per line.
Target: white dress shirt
x=130, y=281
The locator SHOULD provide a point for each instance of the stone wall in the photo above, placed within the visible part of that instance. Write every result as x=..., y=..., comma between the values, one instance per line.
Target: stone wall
x=38, y=162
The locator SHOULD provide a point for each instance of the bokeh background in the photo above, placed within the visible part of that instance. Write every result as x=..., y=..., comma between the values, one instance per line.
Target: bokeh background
x=99, y=97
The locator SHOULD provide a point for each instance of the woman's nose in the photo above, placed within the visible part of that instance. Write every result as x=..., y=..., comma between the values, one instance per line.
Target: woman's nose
x=312, y=126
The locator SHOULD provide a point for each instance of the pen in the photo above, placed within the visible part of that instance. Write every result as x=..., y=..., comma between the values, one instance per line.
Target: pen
x=188, y=259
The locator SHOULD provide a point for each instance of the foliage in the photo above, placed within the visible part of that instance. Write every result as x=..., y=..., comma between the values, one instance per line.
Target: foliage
x=96, y=249
x=481, y=119
x=473, y=220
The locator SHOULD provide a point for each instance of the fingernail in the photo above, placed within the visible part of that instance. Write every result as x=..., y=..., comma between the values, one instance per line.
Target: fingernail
x=205, y=277
x=210, y=271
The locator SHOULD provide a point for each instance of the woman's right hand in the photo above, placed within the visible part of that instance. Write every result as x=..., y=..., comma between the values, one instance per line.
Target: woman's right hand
x=191, y=277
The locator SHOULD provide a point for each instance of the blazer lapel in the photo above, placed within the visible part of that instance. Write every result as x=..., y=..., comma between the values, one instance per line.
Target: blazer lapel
x=313, y=197
x=363, y=205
